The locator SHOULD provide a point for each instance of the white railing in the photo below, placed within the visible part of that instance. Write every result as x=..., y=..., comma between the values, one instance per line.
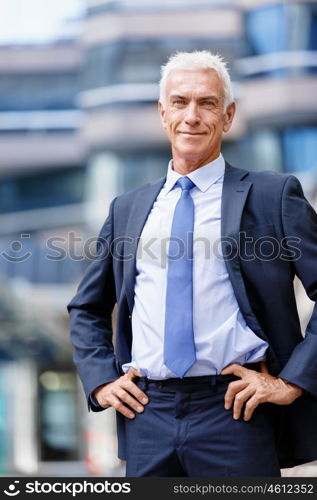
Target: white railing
x=250, y=66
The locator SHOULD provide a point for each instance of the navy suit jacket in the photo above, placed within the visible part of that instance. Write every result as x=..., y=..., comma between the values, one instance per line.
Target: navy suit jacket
x=271, y=209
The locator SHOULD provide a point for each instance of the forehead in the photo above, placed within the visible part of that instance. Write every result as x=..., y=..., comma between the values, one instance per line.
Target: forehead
x=197, y=82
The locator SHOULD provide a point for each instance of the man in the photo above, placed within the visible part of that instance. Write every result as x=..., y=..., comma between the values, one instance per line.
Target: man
x=210, y=375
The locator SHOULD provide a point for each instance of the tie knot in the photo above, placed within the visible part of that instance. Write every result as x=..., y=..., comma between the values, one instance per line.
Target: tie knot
x=185, y=183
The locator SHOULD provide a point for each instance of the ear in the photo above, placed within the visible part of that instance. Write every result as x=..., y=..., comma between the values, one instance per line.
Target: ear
x=161, y=110
x=229, y=115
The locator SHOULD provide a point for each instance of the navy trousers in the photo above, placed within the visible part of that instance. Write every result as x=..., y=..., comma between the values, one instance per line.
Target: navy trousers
x=186, y=431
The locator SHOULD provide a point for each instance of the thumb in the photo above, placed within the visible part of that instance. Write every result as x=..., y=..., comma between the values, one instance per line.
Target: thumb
x=233, y=369
x=133, y=372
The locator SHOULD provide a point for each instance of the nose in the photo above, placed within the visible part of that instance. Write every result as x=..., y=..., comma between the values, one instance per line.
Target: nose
x=192, y=116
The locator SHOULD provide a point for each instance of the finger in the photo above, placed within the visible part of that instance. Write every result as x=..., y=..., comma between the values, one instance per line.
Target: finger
x=234, y=369
x=133, y=373
x=232, y=390
x=124, y=396
x=250, y=407
x=239, y=401
x=119, y=407
x=263, y=367
x=133, y=389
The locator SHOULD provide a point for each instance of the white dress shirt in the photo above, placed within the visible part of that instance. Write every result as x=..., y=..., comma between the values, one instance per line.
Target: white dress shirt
x=220, y=331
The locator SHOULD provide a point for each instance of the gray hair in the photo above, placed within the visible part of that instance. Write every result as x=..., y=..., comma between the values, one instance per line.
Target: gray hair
x=199, y=59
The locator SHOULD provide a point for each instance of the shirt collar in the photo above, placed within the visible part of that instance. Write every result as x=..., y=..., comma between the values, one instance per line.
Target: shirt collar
x=202, y=177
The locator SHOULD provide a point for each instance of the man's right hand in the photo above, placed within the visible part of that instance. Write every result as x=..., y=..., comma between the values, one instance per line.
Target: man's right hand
x=122, y=394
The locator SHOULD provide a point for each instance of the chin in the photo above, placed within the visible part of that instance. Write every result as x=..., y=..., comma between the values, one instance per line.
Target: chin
x=189, y=152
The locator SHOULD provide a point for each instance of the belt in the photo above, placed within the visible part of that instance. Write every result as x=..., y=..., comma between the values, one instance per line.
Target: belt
x=190, y=383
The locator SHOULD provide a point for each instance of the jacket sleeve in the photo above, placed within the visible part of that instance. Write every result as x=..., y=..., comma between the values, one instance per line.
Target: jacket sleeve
x=90, y=317
x=300, y=221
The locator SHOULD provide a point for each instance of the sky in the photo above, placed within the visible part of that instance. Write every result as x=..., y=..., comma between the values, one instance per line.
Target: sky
x=35, y=21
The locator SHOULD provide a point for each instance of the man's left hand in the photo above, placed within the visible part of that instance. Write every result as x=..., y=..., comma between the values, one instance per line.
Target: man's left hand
x=255, y=388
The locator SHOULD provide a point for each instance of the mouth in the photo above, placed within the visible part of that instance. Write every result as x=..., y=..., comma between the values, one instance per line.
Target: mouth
x=192, y=134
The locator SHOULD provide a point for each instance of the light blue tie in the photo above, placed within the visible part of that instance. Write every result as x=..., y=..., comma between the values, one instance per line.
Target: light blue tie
x=179, y=346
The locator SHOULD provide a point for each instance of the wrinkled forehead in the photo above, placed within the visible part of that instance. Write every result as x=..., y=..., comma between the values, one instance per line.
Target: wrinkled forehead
x=194, y=82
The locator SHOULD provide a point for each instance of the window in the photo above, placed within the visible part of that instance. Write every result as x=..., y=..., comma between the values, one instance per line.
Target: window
x=139, y=61
x=281, y=27
x=38, y=91
x=140, y=168
x=58, y=416
x=299, y=146
x=267, y=29
x=44, y=189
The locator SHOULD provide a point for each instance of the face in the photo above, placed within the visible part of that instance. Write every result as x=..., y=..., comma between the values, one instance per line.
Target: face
x=193, y=114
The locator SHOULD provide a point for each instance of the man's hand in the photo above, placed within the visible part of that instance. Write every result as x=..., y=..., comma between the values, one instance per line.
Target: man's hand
x=120, y=393
x=255, y=388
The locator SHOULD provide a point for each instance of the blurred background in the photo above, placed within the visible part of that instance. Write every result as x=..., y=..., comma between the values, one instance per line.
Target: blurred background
x=79, y=125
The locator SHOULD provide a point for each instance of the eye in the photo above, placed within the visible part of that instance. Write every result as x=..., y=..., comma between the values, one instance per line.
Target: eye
x=178, y=102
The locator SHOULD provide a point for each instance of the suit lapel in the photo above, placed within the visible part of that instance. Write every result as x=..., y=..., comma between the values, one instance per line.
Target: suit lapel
x=234, y=196
x=139, y=212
